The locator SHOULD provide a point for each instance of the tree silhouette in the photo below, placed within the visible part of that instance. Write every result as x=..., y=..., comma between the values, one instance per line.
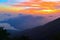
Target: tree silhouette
x=55, y=36
x=24, y=38
x=3, y=34
x=21, y=38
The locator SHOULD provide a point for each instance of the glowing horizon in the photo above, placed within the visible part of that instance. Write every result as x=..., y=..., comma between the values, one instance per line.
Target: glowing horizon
x=31, y=7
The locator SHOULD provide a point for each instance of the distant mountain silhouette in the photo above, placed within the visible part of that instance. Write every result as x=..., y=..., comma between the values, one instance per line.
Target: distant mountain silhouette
x=21, y=22
x=49, y=31
x=24, y=22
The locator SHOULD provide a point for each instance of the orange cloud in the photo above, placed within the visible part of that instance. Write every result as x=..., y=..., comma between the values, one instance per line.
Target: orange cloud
x=33, y=7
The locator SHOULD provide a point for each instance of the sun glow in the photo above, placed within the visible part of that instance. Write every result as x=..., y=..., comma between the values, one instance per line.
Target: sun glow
x=48, y=11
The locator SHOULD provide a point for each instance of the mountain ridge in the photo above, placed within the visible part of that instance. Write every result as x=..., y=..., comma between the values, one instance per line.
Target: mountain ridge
x=49, y=31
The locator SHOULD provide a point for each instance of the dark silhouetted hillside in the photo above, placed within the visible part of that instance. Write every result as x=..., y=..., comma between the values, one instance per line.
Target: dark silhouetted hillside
x=49, y=31
x=4, y=35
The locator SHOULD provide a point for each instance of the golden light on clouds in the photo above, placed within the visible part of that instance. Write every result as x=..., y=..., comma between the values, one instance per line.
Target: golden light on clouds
x=34, y=7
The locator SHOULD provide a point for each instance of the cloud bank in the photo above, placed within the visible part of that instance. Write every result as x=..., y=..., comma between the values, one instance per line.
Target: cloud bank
x=7, y=26
x=23, y=22
x=5, y=16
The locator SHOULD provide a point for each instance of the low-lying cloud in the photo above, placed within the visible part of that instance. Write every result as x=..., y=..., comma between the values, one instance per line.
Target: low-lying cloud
x=7, y=26
x=4, y=17
x=26, y=21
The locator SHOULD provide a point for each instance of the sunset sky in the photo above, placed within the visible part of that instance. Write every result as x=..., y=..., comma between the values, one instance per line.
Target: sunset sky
x=31, y=12
x=26, y=6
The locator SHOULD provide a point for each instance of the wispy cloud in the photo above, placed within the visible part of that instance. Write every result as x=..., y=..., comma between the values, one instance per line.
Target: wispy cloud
x=7, y=16
x=7, y=26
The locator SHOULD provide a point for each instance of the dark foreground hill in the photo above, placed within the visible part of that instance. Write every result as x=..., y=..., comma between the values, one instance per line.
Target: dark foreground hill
x=49, y=31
